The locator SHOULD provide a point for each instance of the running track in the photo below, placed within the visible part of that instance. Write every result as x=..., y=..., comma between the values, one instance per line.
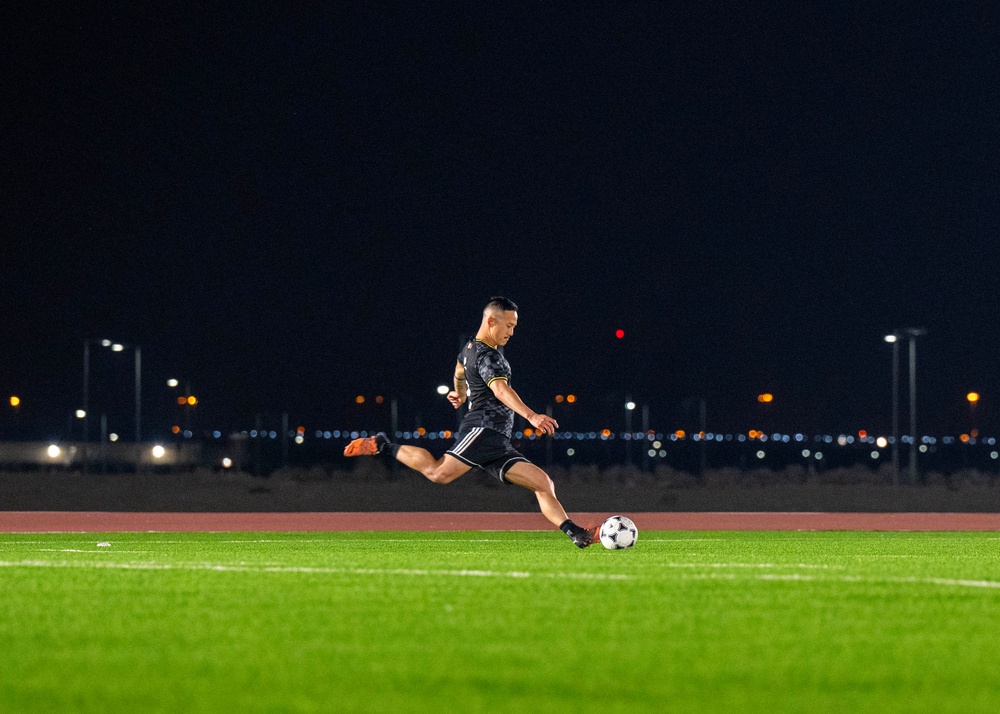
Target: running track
x=107, y=522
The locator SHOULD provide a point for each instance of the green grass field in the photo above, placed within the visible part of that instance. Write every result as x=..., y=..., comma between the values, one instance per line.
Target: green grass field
x=485, y=621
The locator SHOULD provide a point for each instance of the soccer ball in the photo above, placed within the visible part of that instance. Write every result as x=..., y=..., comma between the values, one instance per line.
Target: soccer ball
x=618, y=532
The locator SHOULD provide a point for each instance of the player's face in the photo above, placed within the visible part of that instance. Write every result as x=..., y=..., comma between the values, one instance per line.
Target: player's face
x=502, y=327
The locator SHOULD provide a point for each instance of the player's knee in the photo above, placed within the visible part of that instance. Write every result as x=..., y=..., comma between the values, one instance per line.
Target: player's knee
x=542, y=484
x=549, y=486
x=439, y=475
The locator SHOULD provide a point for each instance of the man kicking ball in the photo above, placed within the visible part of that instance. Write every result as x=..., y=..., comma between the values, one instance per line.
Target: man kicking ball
x=482, y=376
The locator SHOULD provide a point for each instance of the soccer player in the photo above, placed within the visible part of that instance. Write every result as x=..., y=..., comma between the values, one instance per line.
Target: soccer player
x=482, y=376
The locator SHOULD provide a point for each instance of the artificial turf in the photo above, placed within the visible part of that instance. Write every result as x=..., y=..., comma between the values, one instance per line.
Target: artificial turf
x=486, y=621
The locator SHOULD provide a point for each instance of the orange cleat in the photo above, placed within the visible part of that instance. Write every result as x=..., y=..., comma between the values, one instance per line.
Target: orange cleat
x=367, y=446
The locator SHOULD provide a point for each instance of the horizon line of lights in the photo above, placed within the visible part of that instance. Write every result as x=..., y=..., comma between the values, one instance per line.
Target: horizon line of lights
x=842, y=440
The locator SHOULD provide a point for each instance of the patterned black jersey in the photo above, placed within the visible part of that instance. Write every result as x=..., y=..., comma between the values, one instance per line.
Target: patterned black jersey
x=483, y=365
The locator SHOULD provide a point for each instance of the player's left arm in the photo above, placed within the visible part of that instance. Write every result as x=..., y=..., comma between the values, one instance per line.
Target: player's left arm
x=506, y=394
x=458, y=395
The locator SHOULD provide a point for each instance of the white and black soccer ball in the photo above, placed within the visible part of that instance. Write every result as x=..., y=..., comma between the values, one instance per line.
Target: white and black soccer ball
x=618, y=532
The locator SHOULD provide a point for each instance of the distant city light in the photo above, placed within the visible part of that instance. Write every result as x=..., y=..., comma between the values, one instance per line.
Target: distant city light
x=891, y=338
x=15, y=401
x=117, y=347
x=619, y=334
x=172, y=382
x=443, y=389
x=192, y=400
x=973, y=397
x=630, y=405
x=765, y=398
x=881, y=442
x=559, y=398
x=112, y=437
x=359, y=399
x=227, y=463
x=81, y=414
x=105, y=343
x=570, y=398
x=158, y=452
x=53, y=451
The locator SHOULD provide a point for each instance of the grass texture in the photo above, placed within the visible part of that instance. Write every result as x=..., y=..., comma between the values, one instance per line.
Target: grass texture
x=497, y=622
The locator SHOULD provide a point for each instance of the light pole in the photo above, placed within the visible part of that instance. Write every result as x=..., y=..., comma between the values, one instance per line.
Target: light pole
x=629, y=408
x=893, y=339
x=114, y=347
x=911, y=334
x=973, y=399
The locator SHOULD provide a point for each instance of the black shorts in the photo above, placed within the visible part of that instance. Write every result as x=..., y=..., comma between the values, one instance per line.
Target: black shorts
x=489, y=450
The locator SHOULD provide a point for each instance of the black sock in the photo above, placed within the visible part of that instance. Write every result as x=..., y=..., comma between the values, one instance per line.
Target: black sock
x=386, y=447
x=569, y=527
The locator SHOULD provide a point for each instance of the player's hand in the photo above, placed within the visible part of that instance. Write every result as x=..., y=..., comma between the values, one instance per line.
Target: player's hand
x=456, y=399
x=544, y=422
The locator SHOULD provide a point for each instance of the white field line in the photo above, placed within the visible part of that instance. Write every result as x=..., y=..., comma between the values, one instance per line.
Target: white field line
x=744, y=575
x=807, y=566
x=102, y=551
x=233, y=568
x=796, y=577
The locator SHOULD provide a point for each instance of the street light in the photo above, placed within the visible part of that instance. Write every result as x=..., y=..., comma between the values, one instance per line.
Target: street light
x=115, y=347
x=973, y=399
x=911, y=334
x=629, y=408
x=893, y=339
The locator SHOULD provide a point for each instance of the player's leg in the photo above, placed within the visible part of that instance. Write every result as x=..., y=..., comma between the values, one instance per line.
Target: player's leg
x=526, y=474
x=534, y=479
x=443, y=470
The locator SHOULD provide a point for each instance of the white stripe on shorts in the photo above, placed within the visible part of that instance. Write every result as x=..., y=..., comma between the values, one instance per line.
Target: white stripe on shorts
x=467, y=441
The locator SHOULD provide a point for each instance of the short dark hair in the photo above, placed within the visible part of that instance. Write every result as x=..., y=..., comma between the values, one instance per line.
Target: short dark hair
x=500, y=303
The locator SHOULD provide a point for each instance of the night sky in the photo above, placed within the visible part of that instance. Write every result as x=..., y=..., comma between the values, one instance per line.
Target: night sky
x=287, y=206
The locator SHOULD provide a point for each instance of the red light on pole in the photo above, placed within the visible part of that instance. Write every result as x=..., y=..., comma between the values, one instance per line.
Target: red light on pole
x=619, y=333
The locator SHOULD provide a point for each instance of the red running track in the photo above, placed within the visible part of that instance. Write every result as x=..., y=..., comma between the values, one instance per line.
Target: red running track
x=107, y=522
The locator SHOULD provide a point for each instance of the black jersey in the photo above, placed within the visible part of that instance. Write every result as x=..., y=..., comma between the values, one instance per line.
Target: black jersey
x=483, y=365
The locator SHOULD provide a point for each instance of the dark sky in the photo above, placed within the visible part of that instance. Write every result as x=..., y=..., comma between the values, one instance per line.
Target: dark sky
x=290, y=206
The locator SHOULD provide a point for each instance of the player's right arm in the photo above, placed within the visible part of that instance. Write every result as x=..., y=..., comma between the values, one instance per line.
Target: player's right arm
x=506, y=394
x=458, y=395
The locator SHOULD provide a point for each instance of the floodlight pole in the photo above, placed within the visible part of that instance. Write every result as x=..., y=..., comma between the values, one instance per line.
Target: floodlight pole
x=911, y=334
x=895, y=411
x=913, y=405
x=138, y=393
x=628, y=429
